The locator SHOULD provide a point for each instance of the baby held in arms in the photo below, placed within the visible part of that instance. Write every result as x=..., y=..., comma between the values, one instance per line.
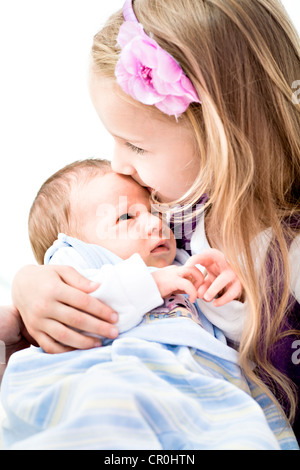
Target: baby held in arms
x=103, y=224
x=170, y=365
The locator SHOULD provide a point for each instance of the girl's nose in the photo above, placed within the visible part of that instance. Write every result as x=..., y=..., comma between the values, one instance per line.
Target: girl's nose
x=123, y=169
x=121, y=165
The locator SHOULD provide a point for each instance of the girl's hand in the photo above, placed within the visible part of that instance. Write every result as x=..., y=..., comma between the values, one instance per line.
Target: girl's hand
x=13, y=334
x=220, y=278
x=54, y=301
x=178, y=279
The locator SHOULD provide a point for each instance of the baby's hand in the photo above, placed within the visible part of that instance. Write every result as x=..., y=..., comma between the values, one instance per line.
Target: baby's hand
x=178, y=279
x=220, y=278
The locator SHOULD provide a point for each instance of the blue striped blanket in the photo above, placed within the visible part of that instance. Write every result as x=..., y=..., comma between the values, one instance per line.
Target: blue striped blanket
x=138, y=393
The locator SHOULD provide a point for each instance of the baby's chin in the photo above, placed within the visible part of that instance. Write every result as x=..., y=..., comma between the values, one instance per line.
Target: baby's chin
x=159, y=261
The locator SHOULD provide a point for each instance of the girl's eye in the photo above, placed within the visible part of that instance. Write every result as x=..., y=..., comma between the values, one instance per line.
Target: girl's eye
x=135, y=149
x=124, y=217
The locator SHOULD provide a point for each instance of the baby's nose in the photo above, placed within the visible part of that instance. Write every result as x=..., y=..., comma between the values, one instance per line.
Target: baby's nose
x=153, y=224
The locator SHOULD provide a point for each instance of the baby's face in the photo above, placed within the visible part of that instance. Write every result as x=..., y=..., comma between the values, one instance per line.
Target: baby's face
x=114, y=211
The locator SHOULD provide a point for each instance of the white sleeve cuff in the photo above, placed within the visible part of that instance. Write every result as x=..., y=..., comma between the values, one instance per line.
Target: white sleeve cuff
x=129, y=289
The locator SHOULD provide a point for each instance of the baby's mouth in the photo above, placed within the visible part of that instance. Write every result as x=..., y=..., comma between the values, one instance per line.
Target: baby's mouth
x=161, y=247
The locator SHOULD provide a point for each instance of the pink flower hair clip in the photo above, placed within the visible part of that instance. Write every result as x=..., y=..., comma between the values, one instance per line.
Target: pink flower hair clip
x=148, y=73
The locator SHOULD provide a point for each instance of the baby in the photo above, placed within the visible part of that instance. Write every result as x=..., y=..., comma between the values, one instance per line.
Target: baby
x=102, y=223
x=169, y=380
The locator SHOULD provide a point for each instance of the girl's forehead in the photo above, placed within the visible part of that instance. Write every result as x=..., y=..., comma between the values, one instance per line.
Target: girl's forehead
x=124, y=118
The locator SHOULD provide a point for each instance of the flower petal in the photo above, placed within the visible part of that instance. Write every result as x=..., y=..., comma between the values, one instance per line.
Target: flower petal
x=144, y=93
x=166, y=88
x=129, y=31
x=129, y=60
x=145, y=52
x=173, y=105
x=151, y=75
x=121, y=73
x=130, y=86
x=188, y=87
x=167, y=67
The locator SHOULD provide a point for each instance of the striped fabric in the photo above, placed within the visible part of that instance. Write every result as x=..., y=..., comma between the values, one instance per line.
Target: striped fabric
x=137, y=393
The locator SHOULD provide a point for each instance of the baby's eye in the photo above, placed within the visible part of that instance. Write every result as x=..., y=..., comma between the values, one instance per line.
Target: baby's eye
x=124, y=217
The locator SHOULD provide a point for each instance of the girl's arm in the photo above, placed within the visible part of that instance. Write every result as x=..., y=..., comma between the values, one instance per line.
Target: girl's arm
x=52, y=300
x=13, y=335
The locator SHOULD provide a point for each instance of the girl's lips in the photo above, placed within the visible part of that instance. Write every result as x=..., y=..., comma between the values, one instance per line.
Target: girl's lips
x=141, y=183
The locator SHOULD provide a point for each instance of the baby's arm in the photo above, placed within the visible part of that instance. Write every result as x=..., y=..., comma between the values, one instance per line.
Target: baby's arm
x=132, y=289
x=128, y=288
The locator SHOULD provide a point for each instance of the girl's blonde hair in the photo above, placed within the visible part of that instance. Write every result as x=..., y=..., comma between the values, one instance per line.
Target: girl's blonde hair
x=243, y=58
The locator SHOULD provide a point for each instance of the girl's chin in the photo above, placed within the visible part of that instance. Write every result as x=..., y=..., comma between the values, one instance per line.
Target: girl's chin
x=161, y=197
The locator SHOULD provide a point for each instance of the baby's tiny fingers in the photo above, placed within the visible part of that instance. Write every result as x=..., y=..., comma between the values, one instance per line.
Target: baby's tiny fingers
x=184, y=285
x=193, y=274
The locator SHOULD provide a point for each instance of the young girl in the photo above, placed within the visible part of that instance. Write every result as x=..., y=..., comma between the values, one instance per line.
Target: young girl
x=199, y=96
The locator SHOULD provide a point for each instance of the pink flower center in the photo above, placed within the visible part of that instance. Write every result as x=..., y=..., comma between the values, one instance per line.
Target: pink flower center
x=146, y=74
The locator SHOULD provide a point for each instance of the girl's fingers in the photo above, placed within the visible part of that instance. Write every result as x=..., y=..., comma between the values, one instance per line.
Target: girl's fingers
x=50, y=346
x=60, y=338
x=203, y=288
x=225, y=278
x=86, y=303
x=70, y=338
x=207, y=259
x=86, y=323
x=232, y=293
x=74, y=279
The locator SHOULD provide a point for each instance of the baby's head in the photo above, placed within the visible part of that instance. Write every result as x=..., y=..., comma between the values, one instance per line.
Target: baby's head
x=87, y=200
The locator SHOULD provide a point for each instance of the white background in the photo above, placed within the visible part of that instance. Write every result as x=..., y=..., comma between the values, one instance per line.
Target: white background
x=46, y=116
